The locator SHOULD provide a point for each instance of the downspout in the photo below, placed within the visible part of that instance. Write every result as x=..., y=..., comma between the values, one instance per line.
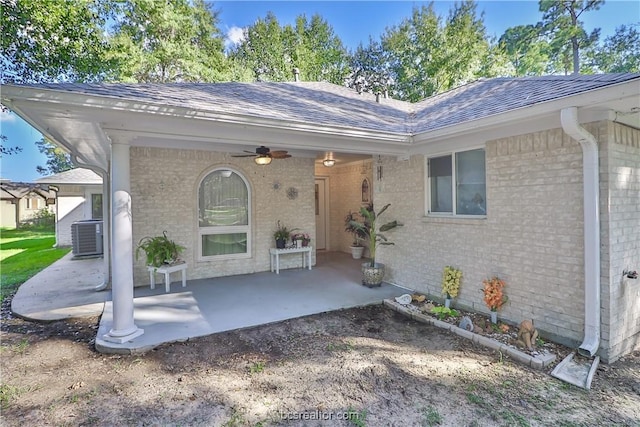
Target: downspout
x=591, y=188
x=106, y=247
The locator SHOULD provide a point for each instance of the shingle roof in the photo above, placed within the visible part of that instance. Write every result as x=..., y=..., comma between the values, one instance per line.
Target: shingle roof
x=77, y=176
x=331, y=105
x=488, y=97
x=18, y=190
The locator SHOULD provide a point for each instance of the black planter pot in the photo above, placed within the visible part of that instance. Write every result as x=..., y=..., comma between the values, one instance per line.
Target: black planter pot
x=280, y=243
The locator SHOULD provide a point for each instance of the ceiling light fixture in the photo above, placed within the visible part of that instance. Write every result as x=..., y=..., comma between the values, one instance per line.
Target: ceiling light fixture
x=328, y=162
x=262, y=160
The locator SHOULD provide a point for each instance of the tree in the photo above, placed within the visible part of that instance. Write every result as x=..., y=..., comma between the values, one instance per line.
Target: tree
x=7, y=151
x=620, y=52
x=369, y=71
x=426, y=56
x=316, y=51
x=567, y=37
x=262, y=51
x=53, y=40
x=272, y=51
x=525, y=49
x=167, y=41
x=58, y=160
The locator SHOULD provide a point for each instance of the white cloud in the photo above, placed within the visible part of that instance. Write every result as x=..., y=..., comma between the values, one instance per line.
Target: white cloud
x=235, y=35
x=7, y=117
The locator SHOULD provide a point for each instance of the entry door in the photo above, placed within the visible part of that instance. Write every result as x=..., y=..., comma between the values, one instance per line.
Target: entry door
x=321, y=213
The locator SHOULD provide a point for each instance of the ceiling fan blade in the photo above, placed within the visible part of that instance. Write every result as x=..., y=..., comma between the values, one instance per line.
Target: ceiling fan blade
x=279, y=154
x=243, y=155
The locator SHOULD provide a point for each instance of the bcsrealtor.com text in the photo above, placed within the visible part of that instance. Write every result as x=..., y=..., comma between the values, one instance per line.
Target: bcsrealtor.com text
x=321, y=415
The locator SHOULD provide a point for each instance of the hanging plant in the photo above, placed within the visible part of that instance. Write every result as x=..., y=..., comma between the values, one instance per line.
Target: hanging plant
x=451, y=282
x=494, y=297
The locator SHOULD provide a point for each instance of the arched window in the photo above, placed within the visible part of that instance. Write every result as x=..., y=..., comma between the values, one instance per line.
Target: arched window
x=224, y=215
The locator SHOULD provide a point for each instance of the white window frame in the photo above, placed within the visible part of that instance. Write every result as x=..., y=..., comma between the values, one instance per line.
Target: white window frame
x=454, y=186
x=206, y=231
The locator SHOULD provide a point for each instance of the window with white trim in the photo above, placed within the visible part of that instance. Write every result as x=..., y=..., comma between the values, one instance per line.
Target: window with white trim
x=457, y=184
x=96, y=206
x=224, y=216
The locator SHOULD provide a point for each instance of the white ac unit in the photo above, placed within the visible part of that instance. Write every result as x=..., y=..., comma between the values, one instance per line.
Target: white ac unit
x=86, y=237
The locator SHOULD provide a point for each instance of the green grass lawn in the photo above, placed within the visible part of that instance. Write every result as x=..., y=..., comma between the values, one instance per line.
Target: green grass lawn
x=23, y=253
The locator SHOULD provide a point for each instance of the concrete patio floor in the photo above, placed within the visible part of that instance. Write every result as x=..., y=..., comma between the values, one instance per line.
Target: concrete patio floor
x=205, y=306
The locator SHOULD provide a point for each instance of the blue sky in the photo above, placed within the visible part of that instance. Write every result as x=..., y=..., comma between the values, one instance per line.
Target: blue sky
x=352, y=21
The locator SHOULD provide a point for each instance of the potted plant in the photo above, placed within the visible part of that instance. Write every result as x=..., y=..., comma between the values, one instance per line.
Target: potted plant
x=357, y=248
x=159, y=250
x=303, y=238
x=450, y=284
x=282, y=234
x=494, y=298
x=373, y=272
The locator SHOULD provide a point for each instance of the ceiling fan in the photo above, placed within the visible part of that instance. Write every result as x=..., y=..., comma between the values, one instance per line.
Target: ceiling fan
x=263, y=155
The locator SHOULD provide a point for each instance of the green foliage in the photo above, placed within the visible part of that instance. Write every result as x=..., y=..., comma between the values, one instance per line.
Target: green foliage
x=53, y=40
x=282, y=231
x=257, y=367
x=58, y=160
x=7, y=394
x=44, y=220
x=620, y=52
x=7, y=151
x=159, y=250
x=369, y=226
x=431, y=417
x=158, y=41
x=567, y=38
x=369, y=68
x=357, y=418
x=24, y=254
x=357, y=233
x=271, y=51
x=527, y=51
x=428, y=55
x=442, y=312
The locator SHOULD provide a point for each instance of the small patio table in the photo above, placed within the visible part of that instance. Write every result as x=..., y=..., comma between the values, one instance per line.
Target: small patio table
x=275, y=256
x=167, y=270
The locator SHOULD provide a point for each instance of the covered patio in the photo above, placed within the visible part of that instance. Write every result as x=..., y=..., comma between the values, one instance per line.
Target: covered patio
x=206, y=306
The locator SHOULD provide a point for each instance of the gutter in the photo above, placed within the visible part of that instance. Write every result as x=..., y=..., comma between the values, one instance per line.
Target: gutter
x=591, y=181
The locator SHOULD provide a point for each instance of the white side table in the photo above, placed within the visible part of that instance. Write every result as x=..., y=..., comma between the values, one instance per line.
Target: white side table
x=167, y=270
x=275, y=256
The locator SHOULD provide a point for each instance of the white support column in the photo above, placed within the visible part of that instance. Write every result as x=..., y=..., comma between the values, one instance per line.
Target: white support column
x=124, y=328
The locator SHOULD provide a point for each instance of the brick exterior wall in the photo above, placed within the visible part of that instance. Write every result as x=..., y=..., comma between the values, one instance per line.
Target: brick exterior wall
x=164, y=188
x=532, y=236
x=620, y=231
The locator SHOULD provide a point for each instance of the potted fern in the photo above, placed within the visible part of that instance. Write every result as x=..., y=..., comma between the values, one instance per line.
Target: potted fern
x=159, y=250
x=372, y=271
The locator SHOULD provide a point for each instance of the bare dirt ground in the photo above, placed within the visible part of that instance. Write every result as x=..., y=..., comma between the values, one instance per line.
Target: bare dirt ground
x=357, y=367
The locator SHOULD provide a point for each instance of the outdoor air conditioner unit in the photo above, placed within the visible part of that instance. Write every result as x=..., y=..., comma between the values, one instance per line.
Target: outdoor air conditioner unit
x=86, y=237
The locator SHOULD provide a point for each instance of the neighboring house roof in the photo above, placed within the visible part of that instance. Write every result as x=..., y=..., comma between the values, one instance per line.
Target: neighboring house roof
x=18, y=190
x=77, y=176
x=328, y=104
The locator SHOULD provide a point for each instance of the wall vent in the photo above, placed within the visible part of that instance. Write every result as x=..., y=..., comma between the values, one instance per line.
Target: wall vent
x=86, y=237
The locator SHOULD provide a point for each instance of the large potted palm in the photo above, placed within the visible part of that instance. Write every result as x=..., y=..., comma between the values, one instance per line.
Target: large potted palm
x=372, y=271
